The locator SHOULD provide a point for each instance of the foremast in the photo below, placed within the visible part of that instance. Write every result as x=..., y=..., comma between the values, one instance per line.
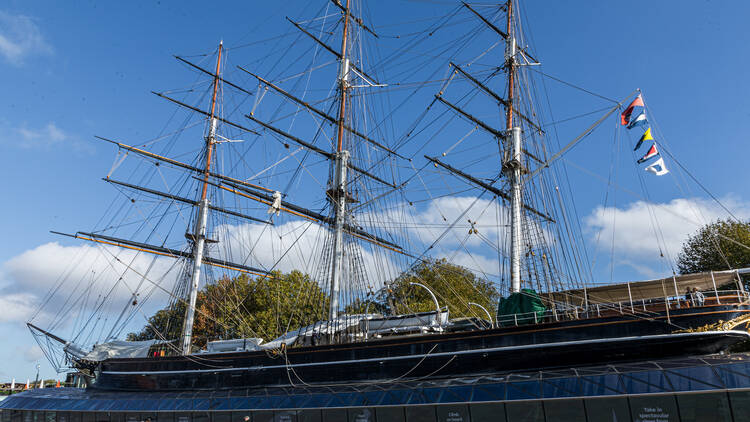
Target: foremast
x=512, y=166
x=201, y=221
x=338, y=194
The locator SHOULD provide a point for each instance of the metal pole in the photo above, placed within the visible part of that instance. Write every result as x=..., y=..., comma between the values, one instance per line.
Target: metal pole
x=485, y=311
x=630, y=296
x=512, y=167
x=338, y=196
x=201, y=223
x=434, y=299
x=716, y=292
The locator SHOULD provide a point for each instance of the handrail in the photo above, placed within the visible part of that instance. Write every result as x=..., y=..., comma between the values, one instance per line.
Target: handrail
x=570, y=312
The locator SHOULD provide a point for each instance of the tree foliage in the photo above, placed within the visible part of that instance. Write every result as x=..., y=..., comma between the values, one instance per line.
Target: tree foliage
x=241, y=307
x=268, y=307
x=453, y=285
x=720, y=245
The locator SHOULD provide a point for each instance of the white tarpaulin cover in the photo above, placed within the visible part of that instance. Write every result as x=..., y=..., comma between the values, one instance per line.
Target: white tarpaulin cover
x=120, y=349
x=342, y=323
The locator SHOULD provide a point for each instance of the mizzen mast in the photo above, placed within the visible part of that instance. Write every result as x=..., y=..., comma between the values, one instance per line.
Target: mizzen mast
x=338, y=190
x=201, y=221
x=512, y=166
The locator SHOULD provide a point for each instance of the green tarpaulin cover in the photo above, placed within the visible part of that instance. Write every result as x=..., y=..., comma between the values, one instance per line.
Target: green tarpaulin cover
x=525, y=304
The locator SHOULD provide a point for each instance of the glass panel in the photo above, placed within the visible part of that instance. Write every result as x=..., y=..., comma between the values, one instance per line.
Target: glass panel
x=16, y=416
x=361, y=415
x=198, y=417
x=564, y=410
x=181, y=417
x=38, y=416
x=285, y=416
x=103, y=417
x=740, y=401
x=5, y=415
x=530, y=411
x=453, y=413
x=334, y=415
x=653, y=408
x=266, y=416
x=221, y=417
x=389, y=414
x=487, y=412
x=48, y=417
x=606, y=409
x=161, y=417
x=133, y=417
x=420, y=414
x=241, y=417
x=62, y=417
x=308, y=415
x=704, y=407
x=28, y=416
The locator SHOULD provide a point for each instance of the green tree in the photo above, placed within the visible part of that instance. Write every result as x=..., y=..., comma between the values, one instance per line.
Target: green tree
x=453, y=285
x=720, y=245
x=243, y=306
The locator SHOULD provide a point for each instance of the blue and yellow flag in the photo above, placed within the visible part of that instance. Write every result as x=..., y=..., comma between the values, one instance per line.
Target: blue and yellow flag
x=646, y=137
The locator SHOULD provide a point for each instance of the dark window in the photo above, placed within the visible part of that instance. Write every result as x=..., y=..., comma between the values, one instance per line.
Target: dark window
x=740, y=402
x=606, y=409
x=362, y=415
x=529, y=411
x=420, y=414
x=266, y=416
x=28, y=416
x=389, y=414
x=704, y=407
x=334, y=415
x=38, y=416
x=161, y=417
x=650, y=408
x=564, y=410
x=285, y=416
x=50, y=417
x=221, y=417
x=487, y=412
x=199, y=417
x=240, y=416
x=102, y=417
x=63, y=417
x=308, y=416
x=453, y=413
x=16, y=416
x=5, y=415
x=132, y=417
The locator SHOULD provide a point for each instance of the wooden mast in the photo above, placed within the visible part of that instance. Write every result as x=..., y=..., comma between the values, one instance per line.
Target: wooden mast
x=338, y=191
x=199, y=236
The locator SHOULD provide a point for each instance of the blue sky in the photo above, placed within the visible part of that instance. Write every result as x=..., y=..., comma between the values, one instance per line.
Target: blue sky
x=77, y=69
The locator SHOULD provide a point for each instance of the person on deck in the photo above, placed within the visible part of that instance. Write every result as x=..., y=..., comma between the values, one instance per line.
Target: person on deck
x=699, y=297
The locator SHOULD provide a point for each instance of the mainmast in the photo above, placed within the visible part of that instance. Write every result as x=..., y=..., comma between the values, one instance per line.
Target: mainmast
x=338, y=191
x=512, y=167
x=201, y=221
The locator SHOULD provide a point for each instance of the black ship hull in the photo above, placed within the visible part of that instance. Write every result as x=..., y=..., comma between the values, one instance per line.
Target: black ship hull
x=544, y=345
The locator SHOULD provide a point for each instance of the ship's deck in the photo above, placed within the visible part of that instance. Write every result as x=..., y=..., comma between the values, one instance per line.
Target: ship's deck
x=623, y=390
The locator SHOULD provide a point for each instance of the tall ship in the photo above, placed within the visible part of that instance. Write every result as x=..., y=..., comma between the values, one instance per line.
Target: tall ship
x=336, y=214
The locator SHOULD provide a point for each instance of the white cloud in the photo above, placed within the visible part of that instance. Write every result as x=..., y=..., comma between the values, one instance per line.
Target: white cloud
x=20, y=38
x=17, y=306
x=31, y=353
x=641, y=230
x=86, y=274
